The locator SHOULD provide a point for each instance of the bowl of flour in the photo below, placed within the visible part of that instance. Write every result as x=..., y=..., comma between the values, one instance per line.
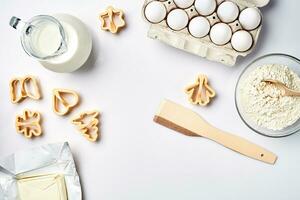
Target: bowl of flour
x=261, y=105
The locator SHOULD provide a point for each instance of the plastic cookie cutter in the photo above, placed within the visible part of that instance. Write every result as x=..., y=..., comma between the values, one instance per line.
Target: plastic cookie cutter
x=200, y=92
x=112, y=19
x=64, y=101
x=87, y=123
x=21, y=88
x=29, y=123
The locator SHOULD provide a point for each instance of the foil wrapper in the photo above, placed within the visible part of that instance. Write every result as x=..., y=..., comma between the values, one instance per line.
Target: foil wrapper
x=47, y=159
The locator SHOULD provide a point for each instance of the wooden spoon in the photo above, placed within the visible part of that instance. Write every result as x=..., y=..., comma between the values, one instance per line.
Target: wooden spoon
x=284, y=89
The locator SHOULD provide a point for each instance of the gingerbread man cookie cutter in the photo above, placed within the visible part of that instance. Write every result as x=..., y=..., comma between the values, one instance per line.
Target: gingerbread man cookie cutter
x=87, y=123
x=23, y=87
x=62, y=105
x=112, y=19
x=29, y=123
x=200, y=92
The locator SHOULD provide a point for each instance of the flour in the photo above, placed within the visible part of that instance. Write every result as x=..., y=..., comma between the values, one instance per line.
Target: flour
x=263, y=102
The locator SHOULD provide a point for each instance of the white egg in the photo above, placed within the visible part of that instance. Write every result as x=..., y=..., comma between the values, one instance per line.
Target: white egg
x=205, y=7
x=184, y=3
x=199, y=27
x=155, y=11
x=250, y=18
x=241, y=40
x=177, y=19
x=220, y=34
x=228, y=11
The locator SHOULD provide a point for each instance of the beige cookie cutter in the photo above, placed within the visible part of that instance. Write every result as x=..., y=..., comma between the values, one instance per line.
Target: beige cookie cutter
x=88, y=128
x=61, y=105
x=19, y=89
x=108, y=19
x=29, y=123
x=200, y=92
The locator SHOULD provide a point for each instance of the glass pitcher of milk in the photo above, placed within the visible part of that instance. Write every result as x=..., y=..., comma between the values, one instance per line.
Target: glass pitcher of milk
x=60, y=42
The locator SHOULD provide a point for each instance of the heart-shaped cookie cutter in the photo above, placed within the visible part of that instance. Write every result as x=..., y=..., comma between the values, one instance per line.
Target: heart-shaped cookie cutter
x=59, y=100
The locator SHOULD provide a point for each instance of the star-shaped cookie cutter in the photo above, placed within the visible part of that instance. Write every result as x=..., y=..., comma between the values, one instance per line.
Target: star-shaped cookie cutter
x=109, y=20
x=200, y=92
x=29, y=123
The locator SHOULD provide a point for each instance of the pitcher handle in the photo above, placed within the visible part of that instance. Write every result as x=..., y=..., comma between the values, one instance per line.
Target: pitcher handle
x=16, y=23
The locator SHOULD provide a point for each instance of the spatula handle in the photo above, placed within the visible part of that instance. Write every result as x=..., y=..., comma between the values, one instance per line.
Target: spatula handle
x=241, y=145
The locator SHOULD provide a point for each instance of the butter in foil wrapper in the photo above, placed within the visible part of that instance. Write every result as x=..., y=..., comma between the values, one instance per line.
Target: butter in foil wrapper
x=42, y=173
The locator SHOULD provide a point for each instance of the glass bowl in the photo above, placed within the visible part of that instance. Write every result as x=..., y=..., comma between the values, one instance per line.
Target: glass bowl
x=290, y=61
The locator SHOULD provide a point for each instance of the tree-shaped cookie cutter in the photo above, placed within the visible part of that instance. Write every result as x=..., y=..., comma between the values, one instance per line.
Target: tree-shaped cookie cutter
x=62, y=105
x=109, y=19
x=200, y=92
x=19, y=89
x=29, y=123
x=87, y=123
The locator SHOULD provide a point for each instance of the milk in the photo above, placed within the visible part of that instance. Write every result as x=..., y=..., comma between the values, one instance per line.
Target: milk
x=78, y=43
x=46, y=40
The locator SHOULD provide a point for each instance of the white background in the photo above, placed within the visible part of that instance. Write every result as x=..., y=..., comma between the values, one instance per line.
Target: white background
x=126, y=78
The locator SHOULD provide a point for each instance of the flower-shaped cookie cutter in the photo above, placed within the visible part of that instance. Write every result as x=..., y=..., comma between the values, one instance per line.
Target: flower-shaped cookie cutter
x=29, y=123
x=112, y=19
x=87, y=123
x=200, y=92
x=23, y=87
x=61, y=104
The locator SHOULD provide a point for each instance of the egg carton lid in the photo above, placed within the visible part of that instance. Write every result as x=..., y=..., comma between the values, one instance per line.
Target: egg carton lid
x=252, y=3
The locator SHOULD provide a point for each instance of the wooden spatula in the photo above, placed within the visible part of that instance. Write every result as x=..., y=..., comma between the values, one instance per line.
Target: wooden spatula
x=186, y=121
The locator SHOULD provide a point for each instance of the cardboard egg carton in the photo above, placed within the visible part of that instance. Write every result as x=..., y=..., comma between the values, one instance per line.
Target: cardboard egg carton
x=203, y=47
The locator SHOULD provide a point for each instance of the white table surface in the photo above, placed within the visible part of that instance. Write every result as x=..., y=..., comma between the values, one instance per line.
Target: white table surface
x=126, y=78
